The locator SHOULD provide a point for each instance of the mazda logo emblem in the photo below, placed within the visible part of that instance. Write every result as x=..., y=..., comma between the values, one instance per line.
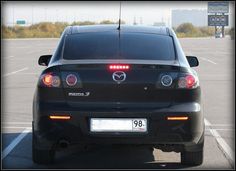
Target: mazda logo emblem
x=119, y=76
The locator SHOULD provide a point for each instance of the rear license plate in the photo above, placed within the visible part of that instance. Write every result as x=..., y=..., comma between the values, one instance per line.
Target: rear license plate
x=118, y=125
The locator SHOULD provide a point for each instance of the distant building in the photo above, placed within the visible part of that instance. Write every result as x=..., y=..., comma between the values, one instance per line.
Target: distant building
x=196, y=17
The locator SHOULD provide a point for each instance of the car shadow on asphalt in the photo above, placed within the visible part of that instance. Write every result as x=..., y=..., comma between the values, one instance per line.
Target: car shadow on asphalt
x=113, y=157
x=97, y=157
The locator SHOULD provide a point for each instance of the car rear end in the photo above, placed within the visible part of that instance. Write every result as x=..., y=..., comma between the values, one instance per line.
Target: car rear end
x=124, y=89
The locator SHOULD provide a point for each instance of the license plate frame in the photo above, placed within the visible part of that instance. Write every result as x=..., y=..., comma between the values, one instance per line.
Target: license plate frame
x=114, y=125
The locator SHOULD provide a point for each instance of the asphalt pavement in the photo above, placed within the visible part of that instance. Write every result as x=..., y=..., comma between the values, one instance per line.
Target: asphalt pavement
x=20, y=73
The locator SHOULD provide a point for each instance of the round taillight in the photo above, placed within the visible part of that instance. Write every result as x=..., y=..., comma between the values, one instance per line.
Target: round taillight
x=71, y=79
x=182, y=82
x=190, y=80
x=51, y=80
x=56, y=81
x=166, y=80
x=47, y=79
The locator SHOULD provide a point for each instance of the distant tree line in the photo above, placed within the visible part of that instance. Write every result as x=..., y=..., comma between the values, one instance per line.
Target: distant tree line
x=54, y=30
x=44, y=29
x=189, y=30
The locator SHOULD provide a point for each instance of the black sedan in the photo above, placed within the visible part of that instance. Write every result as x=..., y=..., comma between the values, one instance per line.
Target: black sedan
x=127, y=85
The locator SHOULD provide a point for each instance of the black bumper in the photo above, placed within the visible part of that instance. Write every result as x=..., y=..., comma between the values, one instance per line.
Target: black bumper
x=187, y=134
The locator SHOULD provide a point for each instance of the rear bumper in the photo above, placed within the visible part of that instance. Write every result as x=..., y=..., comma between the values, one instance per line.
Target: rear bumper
x=187, y=134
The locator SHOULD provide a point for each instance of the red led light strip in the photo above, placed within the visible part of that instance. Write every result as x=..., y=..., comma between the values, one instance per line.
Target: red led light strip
x=114, y=67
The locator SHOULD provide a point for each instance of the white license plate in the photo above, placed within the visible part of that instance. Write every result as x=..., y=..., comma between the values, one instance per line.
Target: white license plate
x=118, y=125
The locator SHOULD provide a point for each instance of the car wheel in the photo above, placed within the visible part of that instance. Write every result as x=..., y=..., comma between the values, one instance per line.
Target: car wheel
x=192, y=158
x=42, y=156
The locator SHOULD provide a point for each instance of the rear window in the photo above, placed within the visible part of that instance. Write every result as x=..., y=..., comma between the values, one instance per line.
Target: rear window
x=108, y=46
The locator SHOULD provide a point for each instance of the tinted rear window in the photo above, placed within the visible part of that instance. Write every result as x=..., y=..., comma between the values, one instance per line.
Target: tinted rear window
x=108, y=46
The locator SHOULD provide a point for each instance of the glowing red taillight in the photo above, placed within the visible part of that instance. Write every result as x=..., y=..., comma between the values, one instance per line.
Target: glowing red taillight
x=188, y=81
x=47, y=79
x=119, y=67
x=50, y=80
x=71, y=79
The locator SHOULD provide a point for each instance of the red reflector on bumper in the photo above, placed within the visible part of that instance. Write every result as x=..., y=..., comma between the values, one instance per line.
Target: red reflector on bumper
x=59, y=117
x=177, y=118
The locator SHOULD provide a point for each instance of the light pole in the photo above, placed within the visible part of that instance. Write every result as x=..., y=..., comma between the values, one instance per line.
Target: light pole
x=56, y=15
x=74, y=17
x=32, y=16
x=66, y=16
x=45, y=14
x=13, y=17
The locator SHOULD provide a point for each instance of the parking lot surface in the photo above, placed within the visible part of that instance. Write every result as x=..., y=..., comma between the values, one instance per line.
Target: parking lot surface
x=20, y=73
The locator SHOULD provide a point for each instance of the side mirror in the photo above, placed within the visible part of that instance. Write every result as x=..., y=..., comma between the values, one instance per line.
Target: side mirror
x=44, y=60
x=193, y=61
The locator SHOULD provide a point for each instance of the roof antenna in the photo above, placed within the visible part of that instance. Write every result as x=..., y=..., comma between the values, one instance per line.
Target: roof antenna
x=119, y=17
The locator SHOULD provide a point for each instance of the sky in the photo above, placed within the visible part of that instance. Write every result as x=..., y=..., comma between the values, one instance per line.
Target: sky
x=143, y=12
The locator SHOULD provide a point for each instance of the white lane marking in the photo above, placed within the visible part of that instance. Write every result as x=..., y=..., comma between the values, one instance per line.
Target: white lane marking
x=14, y=72
x=16, y=123
x=222, y=125
x=205, y=59
x=15, y=127
x=28, y=73
x=221, y=142
x=8, y=57
x=11, y=146
x=220, y=129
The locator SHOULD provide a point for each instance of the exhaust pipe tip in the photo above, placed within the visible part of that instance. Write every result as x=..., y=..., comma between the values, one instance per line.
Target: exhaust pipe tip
x=63, y=143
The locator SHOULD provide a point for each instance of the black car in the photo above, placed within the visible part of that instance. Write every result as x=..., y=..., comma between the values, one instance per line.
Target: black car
x=132, y=85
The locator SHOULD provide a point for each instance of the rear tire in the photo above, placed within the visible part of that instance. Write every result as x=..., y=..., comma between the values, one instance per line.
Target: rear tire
x=192, y=158
x=41, y=156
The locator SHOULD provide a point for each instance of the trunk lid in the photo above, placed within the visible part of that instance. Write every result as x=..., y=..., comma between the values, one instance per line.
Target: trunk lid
x=98, y=86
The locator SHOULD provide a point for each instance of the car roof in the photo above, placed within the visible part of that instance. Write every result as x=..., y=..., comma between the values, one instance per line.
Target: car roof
x=161, y=30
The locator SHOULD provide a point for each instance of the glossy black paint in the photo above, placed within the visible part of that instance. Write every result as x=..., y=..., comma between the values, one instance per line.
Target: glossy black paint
x=44, y=60
x=141, y=95
x=193, y=61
